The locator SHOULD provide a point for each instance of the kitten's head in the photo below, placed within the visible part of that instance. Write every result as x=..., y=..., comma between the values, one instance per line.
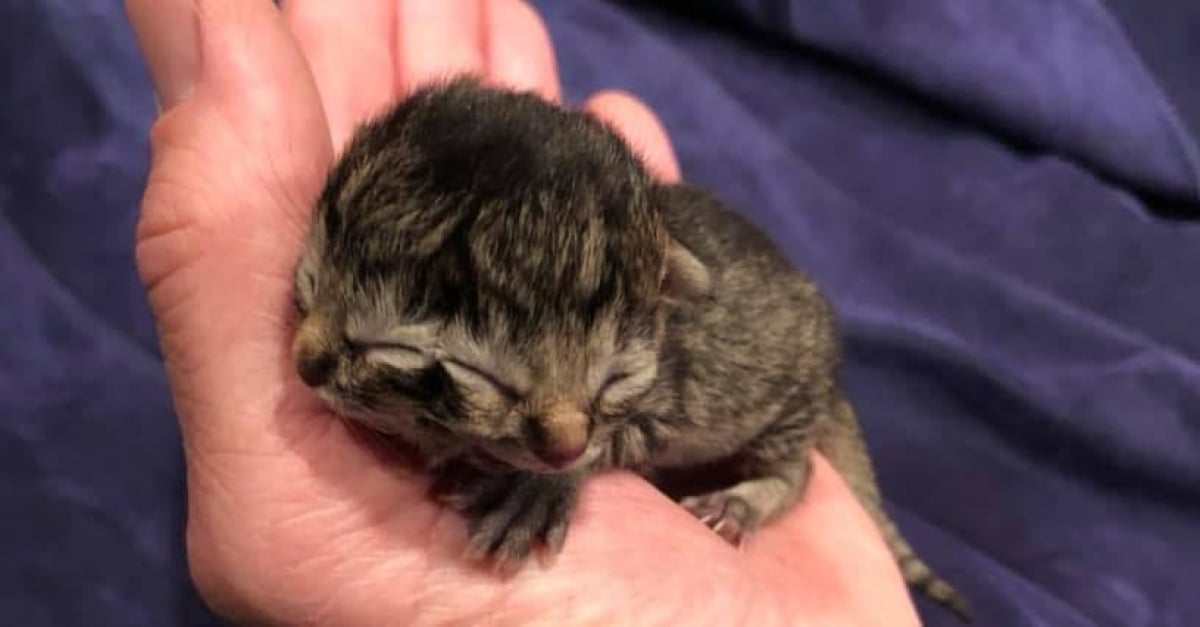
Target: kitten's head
x=485, y=269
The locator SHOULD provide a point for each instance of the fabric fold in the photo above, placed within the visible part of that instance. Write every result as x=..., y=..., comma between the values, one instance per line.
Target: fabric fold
x=1053, y=75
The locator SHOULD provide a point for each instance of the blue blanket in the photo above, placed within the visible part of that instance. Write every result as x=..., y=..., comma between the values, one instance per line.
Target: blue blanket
x=999, y=195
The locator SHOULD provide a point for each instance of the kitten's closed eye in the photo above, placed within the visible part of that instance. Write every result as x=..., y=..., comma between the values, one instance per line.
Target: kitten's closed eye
x=480, y=381
x=613, y=379
x=624, y=385
x=395, y=354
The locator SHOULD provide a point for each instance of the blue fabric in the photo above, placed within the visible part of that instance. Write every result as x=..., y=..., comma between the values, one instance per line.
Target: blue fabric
x=980, y=185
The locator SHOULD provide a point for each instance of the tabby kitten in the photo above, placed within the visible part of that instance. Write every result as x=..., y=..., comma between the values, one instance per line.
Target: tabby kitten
x=498, y=282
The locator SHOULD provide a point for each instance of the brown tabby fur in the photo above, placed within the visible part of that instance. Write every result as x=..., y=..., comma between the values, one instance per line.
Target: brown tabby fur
x=499, y=282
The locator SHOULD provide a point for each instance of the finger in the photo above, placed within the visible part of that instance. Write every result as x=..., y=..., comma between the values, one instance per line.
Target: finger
x=235, y=169
x=253, y=121
x=437, y=39
x=640, y=127
x=829, y=541
x=350, y=55
x=166, y=31
x=519, y=52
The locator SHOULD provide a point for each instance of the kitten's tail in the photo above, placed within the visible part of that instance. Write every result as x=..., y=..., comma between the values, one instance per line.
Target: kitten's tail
x=843, y=445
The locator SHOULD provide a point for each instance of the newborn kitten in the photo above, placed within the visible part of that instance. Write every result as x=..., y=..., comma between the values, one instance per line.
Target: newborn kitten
x=499, y=282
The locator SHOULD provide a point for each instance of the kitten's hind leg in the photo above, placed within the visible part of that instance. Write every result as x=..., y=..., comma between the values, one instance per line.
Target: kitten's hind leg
x=773, y=471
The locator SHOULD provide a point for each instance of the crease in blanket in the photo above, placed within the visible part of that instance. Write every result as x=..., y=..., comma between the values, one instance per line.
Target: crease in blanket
x=1059, y=75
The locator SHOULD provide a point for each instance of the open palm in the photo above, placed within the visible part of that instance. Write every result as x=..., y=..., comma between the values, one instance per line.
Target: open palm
x=294, y=519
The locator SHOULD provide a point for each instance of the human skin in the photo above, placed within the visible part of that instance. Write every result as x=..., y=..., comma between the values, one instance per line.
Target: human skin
x=294, y=519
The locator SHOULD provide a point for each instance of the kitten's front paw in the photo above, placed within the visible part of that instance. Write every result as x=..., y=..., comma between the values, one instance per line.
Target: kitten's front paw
x=727, y=514
x=510, y=515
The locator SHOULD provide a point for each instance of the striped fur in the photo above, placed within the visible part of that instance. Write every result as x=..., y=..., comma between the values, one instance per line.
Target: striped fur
x=500, y=282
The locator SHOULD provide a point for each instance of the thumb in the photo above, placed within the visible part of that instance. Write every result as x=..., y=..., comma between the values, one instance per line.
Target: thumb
x=238, y=156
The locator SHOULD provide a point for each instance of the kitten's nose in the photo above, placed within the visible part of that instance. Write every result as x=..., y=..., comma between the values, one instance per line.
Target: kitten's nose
x=315, y=367
x=560, y=436
x=560, y=457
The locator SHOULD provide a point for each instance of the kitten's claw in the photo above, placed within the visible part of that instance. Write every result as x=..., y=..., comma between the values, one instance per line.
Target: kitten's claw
x=511, y=515
x=728, y=515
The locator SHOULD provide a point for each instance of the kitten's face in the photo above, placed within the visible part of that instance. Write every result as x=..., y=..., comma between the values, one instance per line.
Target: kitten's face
x=544, y=403
x=487, y=272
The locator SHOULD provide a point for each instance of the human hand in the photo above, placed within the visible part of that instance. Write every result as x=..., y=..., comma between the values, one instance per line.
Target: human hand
x=292, y=519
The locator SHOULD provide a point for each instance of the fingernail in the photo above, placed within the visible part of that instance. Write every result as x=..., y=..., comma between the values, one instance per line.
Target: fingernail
x=168, y=34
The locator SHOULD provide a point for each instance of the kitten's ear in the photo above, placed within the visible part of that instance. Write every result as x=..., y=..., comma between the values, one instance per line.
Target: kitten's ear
x=686, y=277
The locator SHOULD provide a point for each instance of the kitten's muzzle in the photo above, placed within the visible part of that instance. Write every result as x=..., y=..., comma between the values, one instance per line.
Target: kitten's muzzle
x=560, y=457
x=560, y=437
